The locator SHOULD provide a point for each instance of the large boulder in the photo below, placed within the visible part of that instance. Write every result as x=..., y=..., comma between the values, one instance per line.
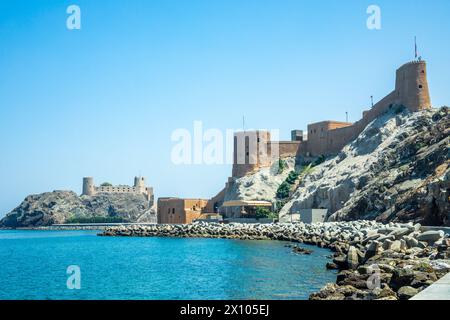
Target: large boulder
x=353, y=257
x=431, y=236
x=401, y=277
x=407, y=292
x=374, y=248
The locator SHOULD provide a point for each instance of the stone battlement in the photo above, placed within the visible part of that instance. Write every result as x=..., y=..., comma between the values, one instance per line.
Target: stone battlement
x=414, y=62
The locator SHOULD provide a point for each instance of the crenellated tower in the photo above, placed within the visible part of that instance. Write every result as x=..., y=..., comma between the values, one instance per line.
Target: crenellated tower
x=411, y=86
x=139, y=184
x=88, y=186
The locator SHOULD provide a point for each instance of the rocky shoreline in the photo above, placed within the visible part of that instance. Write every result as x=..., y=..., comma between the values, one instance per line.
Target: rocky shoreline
x=375, y=261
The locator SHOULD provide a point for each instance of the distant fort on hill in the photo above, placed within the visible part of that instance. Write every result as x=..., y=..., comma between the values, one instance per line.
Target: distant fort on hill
x=139, y=187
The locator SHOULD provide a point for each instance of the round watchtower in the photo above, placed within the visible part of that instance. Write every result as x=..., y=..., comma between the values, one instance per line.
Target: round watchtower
x=88, y=186
x=139, y=184
x=412, y=86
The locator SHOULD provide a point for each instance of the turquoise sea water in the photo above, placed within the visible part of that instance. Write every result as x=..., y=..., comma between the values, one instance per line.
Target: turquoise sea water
x=34, y=264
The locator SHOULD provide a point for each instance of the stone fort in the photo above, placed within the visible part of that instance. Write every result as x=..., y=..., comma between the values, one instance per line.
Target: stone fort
x=254, y=149
x=139, y=187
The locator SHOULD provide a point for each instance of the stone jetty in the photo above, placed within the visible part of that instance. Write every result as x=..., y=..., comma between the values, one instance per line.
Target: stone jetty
x=391, y=261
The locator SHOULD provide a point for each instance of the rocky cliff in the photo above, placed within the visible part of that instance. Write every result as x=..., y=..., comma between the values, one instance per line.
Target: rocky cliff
x=62, y=206
x=262, y=185
x=398, y=169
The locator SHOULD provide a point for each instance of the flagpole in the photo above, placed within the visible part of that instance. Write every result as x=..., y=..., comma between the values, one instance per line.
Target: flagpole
x=415, y=47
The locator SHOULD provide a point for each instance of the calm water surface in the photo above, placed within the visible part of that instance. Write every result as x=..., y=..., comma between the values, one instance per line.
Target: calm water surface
x=34, y=264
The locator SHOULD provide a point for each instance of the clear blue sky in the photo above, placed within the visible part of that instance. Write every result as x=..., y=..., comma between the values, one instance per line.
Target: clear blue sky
x=103, y=101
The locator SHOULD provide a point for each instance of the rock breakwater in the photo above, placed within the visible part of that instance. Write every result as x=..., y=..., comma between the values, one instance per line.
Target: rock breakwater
x=375, y=261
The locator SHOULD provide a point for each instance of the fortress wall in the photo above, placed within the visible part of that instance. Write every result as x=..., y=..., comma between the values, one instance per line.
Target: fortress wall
x=327, y=137
x=216, y=200
x=378, y=109
x=321, y=142
x=338, y=138
x=411, y=90
x=283, y=149
x=289, y=148
x=317, y=138
x=116, y=189
x=193, y=209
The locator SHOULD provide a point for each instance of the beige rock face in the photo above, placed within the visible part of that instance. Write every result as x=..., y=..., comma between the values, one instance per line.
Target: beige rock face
x=261, y=185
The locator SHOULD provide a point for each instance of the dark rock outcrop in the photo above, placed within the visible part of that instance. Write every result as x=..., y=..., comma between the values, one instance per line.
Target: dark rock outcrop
x=404, y=175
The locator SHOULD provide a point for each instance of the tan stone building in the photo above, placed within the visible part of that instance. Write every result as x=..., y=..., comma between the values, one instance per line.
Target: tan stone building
x=180, y=211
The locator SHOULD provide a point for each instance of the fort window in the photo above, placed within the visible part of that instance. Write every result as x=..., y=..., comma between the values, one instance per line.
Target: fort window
x=420, y=86
x=173, y=210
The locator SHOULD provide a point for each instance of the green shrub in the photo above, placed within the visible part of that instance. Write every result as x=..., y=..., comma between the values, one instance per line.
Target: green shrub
x=283, y=190
x=263, y=212
x=399, y=109
x=281, y=166
x=319, y=160
x=307, y=170
x=106, y=184
x=293, y=175
x=419, y=145
x=273, y=215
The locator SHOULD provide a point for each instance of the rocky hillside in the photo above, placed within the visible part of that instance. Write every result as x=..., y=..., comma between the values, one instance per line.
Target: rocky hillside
x=63, y=206
x=396, y=170
x=262, y=185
